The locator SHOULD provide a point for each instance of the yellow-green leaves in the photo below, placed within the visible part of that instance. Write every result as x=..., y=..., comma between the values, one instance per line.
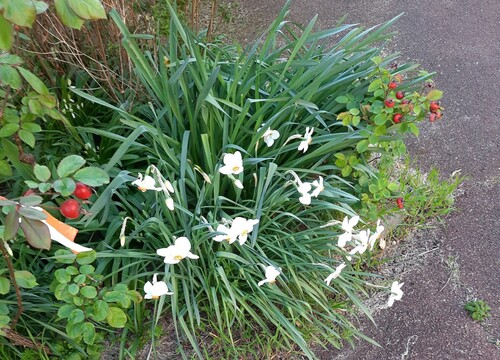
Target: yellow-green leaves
x=20, y=12
x=6, y=34
x=73, y=13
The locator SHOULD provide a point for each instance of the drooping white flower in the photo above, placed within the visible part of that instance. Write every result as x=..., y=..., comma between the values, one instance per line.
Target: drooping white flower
x=318, y=184
x=374, y=237
x=233, y=164
x=347, y=226
x=361, y=241
x=271, y=275
x=227, y=234
x=175, y=253
x=238, y=184
x=335, y=274
x=303, y=188
x=304, y=144
x=146, y=183
x=241, y=227
x=269, y=136
x=396, y=293
x=122, y=231
x=170, y=203
x=155, y=289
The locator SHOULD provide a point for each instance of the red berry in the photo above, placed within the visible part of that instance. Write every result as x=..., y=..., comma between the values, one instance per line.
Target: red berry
x=70, y=209
x=389, y=103
x=397, y=118
x=393, y=85
x=400, y=95
x=399, y=202
x=82, y=191
x=432, y=117
x=434, y=106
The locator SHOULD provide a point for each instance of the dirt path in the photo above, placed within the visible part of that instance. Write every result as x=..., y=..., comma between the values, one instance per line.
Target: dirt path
x=460, y=39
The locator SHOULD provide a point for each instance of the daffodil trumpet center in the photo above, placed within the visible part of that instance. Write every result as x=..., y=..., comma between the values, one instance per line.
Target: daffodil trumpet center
x=178, y=257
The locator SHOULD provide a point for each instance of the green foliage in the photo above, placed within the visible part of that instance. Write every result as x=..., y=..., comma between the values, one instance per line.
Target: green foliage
x=478, y=310
x=88, y=302
x=209, y=100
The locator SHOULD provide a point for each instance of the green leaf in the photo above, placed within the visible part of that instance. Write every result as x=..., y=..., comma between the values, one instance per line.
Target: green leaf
x=88, y=331
x=71, y=270
x=25, y=279
x=10, y=59
x=62, y=276
x=434, y=95
x=76, y=316
x=5, y=168
x=20, y=12
x=32, y=214
x=380, y=130
x=27, y=137
x=67, y=16
x=116, y=317
x=354, y=111
x=44, y=187
x=69, y=165
x=342, y=99
x=89, y=292
x=9, y=76
x=79, y=279
x=100, y=310
x=377, y=60
x=36, y=232
x=74, y=331
x=30, y=200
x=42, y=173
x=6, y=34
x=380, y=119
x=4, y=286
x=414, y=129
x=121, y=288
x=135, y=296
x=65, y=310
x=87, y=269
x=4, y=309
x=362, y=146
x=393, y=187
x=34, y=81
x=35, y=107
x=9, y=130
x=65, y=256
x=346, y=170
x=65, y=186
x=73, y=289
x=31, y=184
x=92, y=176
x=41, y=7
x=375, y=84
x=11, y=225
x=86, y=257
x=31, y=127
x=88, y=9
x=47, y=101
x=113, y=296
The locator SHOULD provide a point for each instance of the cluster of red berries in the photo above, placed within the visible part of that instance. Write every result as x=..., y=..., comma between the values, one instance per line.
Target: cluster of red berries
x=396, y=118
x=399, y=202
x=71, y=208
x=435, y=110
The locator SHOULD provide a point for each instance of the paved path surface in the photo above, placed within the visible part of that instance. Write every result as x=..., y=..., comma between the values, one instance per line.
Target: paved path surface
x=460, y=39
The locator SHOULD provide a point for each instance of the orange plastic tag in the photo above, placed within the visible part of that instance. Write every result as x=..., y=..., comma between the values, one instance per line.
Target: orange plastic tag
x=67, y=231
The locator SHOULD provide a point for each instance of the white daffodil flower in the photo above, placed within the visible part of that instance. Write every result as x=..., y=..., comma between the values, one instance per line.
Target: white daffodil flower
x=227, y=234
x=233, y=164
x=347, y=226
x=318, y=184
x=334, y=274
x=303, y=189
x=146, y=183
x=269, y=136
x=361, y=242
x=304, y=144
x=175, y=253
x=374, y=237
x=271, y=275
x=155, y=289
x=242, y=227
x=238, y=184
x=396, y=293
x=170, y=203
